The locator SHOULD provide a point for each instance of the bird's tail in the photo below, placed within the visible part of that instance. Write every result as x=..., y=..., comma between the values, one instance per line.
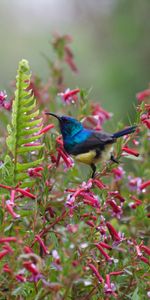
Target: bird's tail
x=124, y=131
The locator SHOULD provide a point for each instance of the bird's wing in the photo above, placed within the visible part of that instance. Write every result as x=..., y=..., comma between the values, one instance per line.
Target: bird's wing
x=97, y=140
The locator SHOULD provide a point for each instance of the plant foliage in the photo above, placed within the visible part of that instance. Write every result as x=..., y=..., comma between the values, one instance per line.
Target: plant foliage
x=24, y=131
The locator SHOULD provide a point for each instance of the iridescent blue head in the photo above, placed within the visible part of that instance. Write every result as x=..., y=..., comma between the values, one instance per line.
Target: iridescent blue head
x=68, y=125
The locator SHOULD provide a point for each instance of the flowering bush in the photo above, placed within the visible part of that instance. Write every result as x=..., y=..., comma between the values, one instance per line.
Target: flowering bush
x=63, y=234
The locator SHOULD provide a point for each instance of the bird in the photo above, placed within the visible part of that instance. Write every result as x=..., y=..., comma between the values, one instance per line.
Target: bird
x=86, y=145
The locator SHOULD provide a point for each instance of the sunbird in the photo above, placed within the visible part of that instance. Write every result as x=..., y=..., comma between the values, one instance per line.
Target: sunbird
x=86, y=145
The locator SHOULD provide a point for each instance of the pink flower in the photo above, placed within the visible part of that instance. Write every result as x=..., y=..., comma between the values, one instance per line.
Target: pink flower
x=107, y=257
x=9, y=207
x=25, y=193
x=98, y=117
x=45, y=129
x=7, y=269
x=145, y=249
x=104, y=245
x=109, y=287
x=145, y=119
x=69, y=96
x=144, y=185
x=143, y=95
x=8, y=239
x=114, y=234
x=66, y=158
x=3, y=253
x=118, y=173
x=72, y=228
x=31, y=267
x=135, y=184
x=96, y=273
x=3, y=103
x=34, y=172
x=69, y=59
x=130, y=151
x=136, y=202
x=43, y=246
x=117, y=211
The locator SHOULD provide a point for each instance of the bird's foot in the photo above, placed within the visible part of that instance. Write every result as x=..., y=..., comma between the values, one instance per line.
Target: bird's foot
x=112, y=158
x=96, y=175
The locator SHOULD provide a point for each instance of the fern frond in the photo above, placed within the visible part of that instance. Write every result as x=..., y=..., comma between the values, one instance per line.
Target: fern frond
x=23, y=133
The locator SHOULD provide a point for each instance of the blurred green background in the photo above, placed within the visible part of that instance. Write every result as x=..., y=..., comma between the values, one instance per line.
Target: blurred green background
x=111, y=42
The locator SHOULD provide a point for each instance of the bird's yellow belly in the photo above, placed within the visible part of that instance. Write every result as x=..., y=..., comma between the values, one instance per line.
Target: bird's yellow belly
x=86, y=158
x=91, y=156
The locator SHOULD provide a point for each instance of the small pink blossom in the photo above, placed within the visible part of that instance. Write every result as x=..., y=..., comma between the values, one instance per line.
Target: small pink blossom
x=69, y=96
x=109, y=287
x=72, y=228
x=118, y=173
x=135, y=184
x=3, y=103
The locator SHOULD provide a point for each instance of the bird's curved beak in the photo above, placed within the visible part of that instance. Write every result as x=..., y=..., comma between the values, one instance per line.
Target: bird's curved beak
x=54, y=115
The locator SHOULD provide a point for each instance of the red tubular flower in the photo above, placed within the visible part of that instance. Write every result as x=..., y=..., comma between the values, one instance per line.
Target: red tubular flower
x=109, y=287
x=5, y=186
x=12, y=196
x=20, y=278
x=90, y=223
x=95, y=271
x=68, y=161
x=32, y=144
x=139, y=253
x=3, y=253
x=113, y=232
x=144, y=185
x=144, y=259
x=7, y=269
x=45, y=129
x=69, y=58
x=130, y=151
x=38, y=238
x=34, y=172
x=99, y=183
x=116, y=273
x=116, y=209
x=8, y=239
x=107, y=257
x=68, y=95
x=90, y=199
x=9, y=207
x=116, y=195
x=31, y=267
x=143, y=95
x=26, y=193
x=145, y=249
x=136, y=202
x=106, y=246
x=27, y=249
x=118, y=173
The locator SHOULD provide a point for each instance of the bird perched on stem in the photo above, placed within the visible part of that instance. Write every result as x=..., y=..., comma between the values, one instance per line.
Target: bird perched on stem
x=85, y=145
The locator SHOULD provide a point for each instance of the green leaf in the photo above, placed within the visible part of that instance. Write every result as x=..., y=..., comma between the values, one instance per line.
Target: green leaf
x=25, y=123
